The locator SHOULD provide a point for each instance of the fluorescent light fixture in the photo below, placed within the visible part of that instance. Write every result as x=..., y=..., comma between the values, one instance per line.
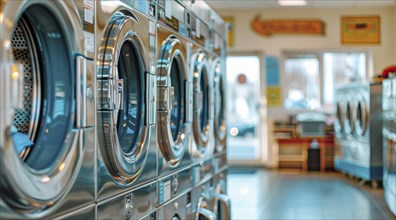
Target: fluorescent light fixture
x=292, y=2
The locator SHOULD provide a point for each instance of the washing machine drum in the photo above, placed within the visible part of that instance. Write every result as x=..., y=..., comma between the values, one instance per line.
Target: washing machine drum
x=219, y=117
x=202, y=120
x=174, y=101
x=123, y=114
x=47, y=100
x=40, y=153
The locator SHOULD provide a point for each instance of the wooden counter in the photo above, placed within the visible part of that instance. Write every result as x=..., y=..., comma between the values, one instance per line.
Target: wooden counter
x=295, y=150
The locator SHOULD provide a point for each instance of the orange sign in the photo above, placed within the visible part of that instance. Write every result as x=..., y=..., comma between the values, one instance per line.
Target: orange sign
x=269, y=27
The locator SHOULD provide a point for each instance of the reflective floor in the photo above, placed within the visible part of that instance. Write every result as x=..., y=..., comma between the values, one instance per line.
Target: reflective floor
x=264, y=194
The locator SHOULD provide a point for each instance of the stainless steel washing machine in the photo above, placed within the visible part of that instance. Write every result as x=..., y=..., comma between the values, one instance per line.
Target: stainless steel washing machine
x=389, y=141
x=203, y=143
x=174, y=102
x=126, y=109
x=220, y=203
x=218, y=68
x=47, y=154
x=359, y=151
x=201, y=197
x=138, y=203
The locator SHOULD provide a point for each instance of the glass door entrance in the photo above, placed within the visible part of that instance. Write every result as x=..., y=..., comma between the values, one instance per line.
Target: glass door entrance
x=243, y=82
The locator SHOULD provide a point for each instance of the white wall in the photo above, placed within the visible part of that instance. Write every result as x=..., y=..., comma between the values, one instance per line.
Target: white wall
x=247, y=40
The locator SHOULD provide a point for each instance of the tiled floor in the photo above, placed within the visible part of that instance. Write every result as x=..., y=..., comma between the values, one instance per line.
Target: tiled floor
x=265, y=194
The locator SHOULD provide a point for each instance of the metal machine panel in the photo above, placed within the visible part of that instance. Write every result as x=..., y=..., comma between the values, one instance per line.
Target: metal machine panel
x=177, y=208
x=171, y=186
x=135, y=204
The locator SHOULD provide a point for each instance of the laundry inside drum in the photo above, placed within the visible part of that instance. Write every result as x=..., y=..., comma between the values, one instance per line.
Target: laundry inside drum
x=41, y=128
x=25, y=123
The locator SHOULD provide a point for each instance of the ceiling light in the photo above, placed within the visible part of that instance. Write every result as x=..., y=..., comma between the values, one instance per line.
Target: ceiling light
x=292, y=2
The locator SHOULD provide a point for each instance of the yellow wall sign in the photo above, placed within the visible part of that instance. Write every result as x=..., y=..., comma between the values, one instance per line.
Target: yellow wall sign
x=274, y=96
x=231, y=30
x=361, y=30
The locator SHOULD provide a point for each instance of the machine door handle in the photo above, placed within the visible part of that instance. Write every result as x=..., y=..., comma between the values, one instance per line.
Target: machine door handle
x=225, y=203
x=205, y=214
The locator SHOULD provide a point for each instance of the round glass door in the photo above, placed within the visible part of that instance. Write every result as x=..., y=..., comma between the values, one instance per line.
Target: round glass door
x=349, y=118
x=202, y=121
x=41, y=155
x=204, y=105
x=178, y=106
x=123, y=130
x=41, y=126
x=361, y=118
x=219, y=117
x=130, y=118
x=340, y=115
x=173, y=101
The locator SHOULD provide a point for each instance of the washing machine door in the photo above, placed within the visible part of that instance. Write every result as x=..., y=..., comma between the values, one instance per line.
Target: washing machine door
x=349, y=117
x=220, y=104
x=361, y=118
x=40, y=152
x=340, y=118
x=174, y=101
x=124, y=106
x=202, y=116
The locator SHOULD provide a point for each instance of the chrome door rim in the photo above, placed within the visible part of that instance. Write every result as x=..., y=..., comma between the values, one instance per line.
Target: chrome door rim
x=349, y=118
x=219, y=124
x=172, y=149
x=125, y=167
x=339, y=122
x=201, y=134
x=33, y=193
x=362, y=115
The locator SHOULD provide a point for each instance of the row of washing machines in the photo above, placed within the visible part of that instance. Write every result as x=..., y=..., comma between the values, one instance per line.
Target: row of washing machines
x=365, y=131
x=112, y=110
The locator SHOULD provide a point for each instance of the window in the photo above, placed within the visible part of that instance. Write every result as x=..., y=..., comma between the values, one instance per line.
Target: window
x=341, y=68
x=302, y=74
x=310, y=77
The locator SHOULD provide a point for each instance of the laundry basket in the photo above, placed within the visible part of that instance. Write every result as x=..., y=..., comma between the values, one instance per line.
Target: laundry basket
x=311, y=124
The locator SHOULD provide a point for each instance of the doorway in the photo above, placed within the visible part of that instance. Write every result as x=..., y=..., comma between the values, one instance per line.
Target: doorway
x=243, y=84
